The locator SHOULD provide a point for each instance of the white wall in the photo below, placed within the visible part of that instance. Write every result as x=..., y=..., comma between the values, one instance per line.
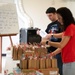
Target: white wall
x=36, y=10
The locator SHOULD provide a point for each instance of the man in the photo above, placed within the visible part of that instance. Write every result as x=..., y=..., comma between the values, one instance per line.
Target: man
x=54, y=27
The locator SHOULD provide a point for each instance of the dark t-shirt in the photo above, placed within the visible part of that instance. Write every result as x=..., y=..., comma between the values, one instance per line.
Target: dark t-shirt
x=54, y=27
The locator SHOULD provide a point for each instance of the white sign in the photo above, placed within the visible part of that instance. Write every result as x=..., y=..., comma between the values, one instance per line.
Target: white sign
x=53, y=72
x=8, y=19
x=43, y=33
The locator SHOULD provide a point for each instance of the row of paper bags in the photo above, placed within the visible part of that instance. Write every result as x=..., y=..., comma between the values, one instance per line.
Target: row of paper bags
x=38, y=64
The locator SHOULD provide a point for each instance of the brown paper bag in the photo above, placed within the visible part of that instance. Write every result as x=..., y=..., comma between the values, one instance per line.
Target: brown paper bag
x=23, y=64
x=54, y=63
x=33, y=64
x=30, y=65
x=48, y=63
x=20, y=52
x=29, y=53
x=14, y=53
x=42, y=63
x=36, y=63
x=41, y=51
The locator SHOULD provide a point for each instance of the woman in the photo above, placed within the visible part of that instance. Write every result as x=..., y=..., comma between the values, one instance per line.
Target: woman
x=67, y=45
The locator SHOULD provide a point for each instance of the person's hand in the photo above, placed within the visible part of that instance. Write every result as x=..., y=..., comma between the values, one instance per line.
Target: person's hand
x=48, y=36
x=43, y=41
x=38, y=32
x=50, y=55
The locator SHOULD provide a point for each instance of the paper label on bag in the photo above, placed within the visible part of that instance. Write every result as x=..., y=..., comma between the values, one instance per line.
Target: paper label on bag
x=53, y=72
x=39, y=73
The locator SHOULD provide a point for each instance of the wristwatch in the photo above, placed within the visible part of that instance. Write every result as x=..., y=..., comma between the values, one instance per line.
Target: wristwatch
x=47, y=42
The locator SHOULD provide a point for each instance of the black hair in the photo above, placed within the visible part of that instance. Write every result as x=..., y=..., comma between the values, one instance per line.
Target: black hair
x=51, y=10
x=66, y=15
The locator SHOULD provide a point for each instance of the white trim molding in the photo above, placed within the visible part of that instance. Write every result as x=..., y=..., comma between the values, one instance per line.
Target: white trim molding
x=25, y=20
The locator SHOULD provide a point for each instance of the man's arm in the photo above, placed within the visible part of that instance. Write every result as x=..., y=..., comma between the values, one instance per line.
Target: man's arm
x=56, y=35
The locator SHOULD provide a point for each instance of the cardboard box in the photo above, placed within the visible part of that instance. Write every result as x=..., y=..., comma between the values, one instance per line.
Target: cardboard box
x=51, y=71
x=29, y=72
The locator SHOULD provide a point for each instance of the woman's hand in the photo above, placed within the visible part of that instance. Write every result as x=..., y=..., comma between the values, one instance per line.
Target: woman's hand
x=50, y=54
x=43, y=41
x=48, y=36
